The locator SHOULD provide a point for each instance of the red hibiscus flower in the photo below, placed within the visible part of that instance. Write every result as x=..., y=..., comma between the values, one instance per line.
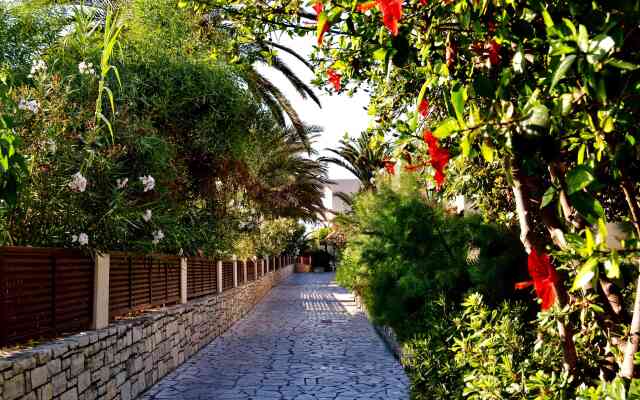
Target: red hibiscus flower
x=439, y=157
x=424, y=2
x=494, y=52
x=390, y=166
x=423, y=108
x=334, y=78
x=362, y=7
x=391, y=12
x=318, y=7
x=544, y=278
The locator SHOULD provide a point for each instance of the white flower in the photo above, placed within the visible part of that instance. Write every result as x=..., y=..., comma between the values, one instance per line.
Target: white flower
x=147, y=216
x=157, y=236
x=86, y=68
x=31, y=105
x=78, y=183
x=122, y=183
x=148, y=182
x=82, y=239
x=36, y=67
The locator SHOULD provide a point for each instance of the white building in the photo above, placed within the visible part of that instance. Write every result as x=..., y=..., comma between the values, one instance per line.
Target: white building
x=335, y=204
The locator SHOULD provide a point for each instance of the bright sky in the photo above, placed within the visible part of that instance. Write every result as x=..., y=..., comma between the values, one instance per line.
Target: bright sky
x=339, y=113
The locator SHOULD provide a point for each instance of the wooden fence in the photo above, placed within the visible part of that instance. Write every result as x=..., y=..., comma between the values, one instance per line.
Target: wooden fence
x=138, y=282
x=44, y=292
x=202, y=277
x=51, y=292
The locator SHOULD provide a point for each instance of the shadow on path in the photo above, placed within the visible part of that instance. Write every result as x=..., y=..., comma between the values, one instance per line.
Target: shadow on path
x=305, y=340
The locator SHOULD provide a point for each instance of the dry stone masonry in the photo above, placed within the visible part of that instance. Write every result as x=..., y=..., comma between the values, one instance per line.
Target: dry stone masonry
x=129, y=356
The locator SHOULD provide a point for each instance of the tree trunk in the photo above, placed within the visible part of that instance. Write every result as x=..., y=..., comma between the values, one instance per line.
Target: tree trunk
x=612, y=297
x=529, y=241
x=634, y=333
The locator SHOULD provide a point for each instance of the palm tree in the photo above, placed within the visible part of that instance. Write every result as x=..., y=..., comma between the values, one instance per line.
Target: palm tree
x=291, y=184
x=359, y=157
x=264, y=52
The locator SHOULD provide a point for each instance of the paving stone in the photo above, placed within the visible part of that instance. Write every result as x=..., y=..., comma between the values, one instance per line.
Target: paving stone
x=306, y=340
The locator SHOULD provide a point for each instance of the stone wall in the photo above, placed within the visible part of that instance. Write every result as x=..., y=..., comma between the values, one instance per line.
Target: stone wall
x=126, y=358
x=386, y=333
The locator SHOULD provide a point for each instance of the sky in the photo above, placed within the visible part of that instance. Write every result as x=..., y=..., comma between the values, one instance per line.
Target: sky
x=339, y=113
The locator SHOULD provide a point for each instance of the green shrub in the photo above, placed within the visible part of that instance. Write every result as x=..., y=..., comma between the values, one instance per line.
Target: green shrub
x=407, y=251
x=445, y=284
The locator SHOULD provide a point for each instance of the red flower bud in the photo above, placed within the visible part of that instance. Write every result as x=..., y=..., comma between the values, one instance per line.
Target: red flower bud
x=334, y=78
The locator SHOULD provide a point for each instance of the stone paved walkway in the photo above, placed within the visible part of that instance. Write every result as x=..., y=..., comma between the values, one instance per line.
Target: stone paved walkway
x=306, y=340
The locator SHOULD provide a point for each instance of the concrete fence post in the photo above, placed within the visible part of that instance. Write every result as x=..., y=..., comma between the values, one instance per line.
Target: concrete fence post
x=266, y=259
x=101, y=291
x=219, y=276
x=235, y=271
x=255, y=268
x=183, y=280
x=244, y=270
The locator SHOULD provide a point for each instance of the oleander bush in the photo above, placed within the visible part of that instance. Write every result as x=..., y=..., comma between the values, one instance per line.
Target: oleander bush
x=133, y=135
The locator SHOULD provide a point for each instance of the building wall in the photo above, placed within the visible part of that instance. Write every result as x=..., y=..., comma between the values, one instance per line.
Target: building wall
x=129, y=356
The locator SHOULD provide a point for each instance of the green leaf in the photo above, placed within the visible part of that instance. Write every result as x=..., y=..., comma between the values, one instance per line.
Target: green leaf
x=586, y=274
x=423, y=91
x=583, y=38
x=4, y=162
x=445, y=129
x=578, y=179
x=465, y=146
x=562, y=69
x=322, y=23
x=458, y=98
x=622, y=64
x=487, y=151
x=589, y=243
x=612, y=268
x=538, y=116
x=380, y=54
x=581, y=151
x=548, y=22
x=602, y=230
x=548, y=196
x=588, y=206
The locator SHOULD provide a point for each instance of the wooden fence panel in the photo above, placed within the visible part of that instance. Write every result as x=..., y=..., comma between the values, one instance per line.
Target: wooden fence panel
x=202, y=277
x=137, y=282
x=227, y=275
x=240, y=272
x=251, y=271
x=44, y=292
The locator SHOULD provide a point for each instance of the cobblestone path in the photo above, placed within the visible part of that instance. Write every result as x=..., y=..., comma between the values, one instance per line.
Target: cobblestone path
x=305, y=340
